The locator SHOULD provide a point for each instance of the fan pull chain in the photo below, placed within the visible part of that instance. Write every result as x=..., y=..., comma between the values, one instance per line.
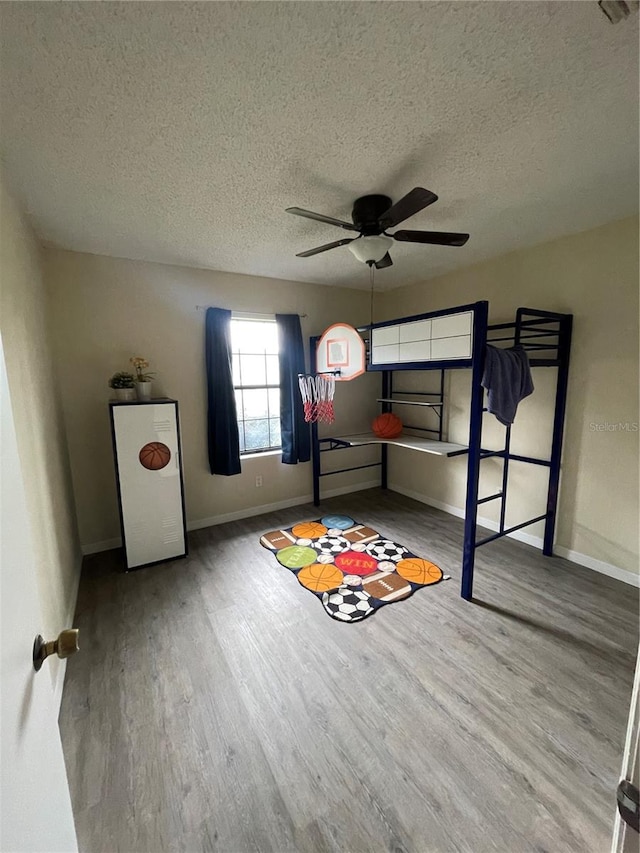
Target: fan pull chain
x=371, y=299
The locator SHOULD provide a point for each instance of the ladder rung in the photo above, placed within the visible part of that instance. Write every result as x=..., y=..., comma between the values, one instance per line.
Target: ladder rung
x=490, y=498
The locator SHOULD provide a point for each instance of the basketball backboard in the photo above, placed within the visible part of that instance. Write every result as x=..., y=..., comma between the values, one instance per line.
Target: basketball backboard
x=340, y=348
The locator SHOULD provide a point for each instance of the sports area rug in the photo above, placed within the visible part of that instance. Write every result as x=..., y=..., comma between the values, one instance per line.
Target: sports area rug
x=352, y=568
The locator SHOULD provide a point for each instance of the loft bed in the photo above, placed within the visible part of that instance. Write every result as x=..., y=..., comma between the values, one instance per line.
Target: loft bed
x=455, y=339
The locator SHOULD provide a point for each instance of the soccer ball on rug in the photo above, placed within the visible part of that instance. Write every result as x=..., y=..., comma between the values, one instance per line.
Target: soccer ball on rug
x=347, y=604
x=352, y=568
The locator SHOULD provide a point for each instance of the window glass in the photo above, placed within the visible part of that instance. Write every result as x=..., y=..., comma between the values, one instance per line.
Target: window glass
x=256, y=380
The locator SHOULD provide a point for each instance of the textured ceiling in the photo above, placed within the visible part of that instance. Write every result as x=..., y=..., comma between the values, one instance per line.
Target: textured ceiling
x=179, y=132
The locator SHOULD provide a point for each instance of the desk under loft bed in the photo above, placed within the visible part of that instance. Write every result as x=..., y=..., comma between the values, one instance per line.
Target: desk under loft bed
x=456, y=339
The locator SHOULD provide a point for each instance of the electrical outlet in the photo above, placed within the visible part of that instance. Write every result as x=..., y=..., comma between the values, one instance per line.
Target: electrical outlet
x=258, y=481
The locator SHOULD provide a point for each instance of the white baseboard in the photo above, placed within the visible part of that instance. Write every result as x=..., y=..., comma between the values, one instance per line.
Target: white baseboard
x=247, y=512
x=585, y=560
x=623, y=575
x=104, y=545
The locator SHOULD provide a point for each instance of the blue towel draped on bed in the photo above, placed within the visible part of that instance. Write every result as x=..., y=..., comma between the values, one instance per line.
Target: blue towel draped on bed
x=507, y=378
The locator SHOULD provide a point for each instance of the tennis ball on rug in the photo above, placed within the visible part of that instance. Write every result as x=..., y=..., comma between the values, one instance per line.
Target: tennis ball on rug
x=387, y=425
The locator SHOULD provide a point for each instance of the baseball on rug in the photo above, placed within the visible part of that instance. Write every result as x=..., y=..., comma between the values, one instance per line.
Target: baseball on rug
x=352, y=568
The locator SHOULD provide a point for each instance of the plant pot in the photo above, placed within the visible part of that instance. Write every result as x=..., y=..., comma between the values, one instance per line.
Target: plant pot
x=125, y=394
x=143, y=390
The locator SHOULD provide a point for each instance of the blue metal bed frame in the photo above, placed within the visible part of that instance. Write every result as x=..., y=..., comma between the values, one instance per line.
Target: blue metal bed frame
x=546, y=336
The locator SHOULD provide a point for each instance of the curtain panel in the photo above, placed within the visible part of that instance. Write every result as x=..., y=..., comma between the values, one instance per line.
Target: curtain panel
x=222, y=424
x=296, y=439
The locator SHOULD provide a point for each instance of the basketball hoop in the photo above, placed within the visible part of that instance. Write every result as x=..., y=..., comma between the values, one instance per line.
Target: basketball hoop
x=317, y=397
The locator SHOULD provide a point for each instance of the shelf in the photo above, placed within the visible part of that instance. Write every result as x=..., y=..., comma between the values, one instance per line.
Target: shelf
x=408, y=402
x=412, y=442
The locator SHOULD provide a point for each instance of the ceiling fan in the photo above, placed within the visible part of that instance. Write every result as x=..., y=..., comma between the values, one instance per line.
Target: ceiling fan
x=372, y=215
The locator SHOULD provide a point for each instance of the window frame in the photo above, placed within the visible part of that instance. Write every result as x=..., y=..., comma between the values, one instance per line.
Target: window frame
x=240, y=419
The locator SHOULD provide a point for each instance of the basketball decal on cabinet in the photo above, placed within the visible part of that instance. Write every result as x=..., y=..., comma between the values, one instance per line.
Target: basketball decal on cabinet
x=352, y=568
x=154, y=456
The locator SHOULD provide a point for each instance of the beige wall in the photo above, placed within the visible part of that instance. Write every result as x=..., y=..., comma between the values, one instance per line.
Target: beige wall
x=38, y=420
x=593, y=275
x=105, y=309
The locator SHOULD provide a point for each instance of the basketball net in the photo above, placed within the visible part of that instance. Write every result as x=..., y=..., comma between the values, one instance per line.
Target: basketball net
x=317, y=397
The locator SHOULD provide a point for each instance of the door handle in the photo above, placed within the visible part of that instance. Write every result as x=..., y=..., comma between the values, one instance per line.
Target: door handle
x=65, y=646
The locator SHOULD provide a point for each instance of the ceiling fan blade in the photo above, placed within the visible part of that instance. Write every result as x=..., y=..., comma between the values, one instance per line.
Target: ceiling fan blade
x=319, y=217
x=384, y=262
x=325, y=248
x=413, y=202
x=436, y=238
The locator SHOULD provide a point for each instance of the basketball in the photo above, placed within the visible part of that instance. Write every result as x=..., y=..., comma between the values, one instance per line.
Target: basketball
x=387, y=425
x=309, y=530
x=415, y=570
x=320, y=578
x=154, y=456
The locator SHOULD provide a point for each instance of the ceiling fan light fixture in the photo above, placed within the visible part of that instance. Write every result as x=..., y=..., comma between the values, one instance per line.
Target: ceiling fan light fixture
x=370, y=250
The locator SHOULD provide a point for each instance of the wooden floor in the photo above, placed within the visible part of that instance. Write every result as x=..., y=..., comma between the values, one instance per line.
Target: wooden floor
x=215, y=706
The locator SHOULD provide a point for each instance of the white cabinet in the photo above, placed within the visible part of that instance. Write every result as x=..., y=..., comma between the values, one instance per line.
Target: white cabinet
x=146, y=446
x=436, y=339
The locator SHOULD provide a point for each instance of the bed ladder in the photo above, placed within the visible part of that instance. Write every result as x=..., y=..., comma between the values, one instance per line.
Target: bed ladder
x=524, y=329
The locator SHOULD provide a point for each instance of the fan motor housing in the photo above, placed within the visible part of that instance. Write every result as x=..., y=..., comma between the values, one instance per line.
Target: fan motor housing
x=367, y=211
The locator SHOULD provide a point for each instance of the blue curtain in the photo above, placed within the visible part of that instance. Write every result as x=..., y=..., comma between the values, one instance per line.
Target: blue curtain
x=222, y=424
x=296, y=441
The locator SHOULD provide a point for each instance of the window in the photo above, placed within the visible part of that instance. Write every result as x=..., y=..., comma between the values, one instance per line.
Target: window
x=256, y=380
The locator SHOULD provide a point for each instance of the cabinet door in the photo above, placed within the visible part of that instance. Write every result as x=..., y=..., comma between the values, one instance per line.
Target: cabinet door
x=148, y=466
x=385, y=345
x=444, y=338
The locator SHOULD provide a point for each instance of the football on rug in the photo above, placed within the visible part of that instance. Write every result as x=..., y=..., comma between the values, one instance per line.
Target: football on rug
x=352, y=568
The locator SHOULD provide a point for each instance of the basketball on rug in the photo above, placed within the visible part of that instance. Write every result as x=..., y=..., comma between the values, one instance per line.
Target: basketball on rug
x=352, y=568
